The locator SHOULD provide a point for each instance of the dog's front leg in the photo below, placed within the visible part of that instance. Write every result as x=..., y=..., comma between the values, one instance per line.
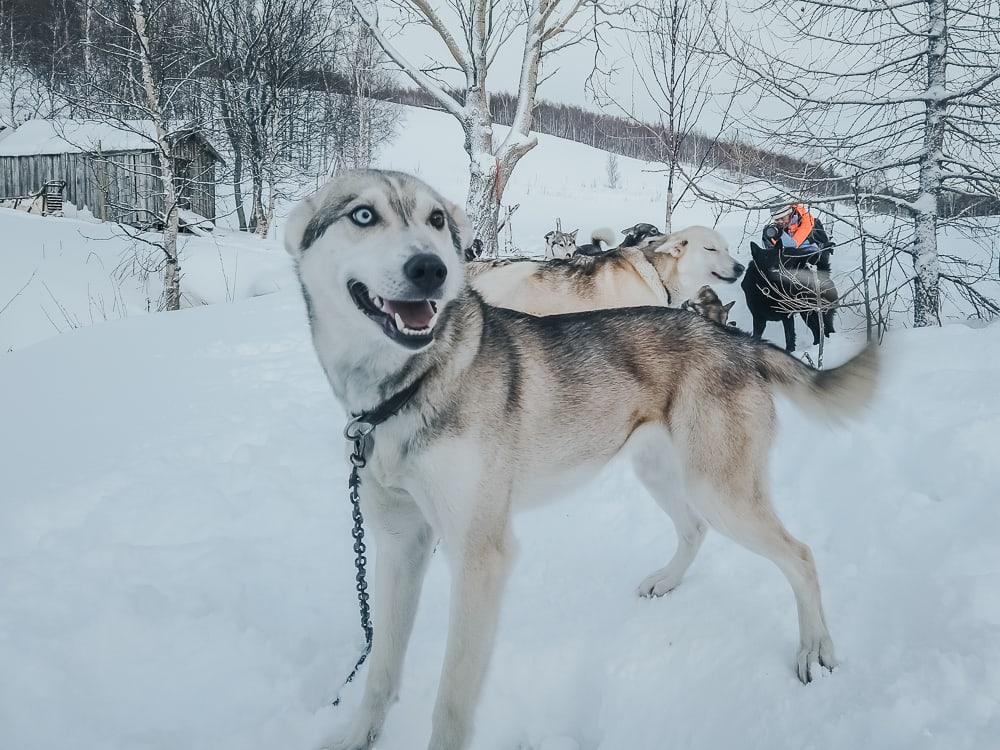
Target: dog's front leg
x=480, y=564
x=403, y=541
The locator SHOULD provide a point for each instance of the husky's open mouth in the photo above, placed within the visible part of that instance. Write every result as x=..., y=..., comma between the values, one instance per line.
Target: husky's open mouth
x=407, y=322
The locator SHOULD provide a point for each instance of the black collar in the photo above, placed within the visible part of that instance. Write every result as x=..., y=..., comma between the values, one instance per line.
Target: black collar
x=364, y=422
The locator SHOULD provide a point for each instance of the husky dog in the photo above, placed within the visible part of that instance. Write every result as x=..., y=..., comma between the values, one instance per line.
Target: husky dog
x=562, y=245
x=663, y=270
x=493, y=410
x=708, y=305
x=636, y=233
x=559, y=244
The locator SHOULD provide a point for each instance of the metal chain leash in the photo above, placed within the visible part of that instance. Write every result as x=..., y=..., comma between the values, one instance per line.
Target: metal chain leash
x=358, y=433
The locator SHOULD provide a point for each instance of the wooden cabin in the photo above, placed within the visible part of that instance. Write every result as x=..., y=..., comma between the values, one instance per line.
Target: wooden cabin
x=110, y=168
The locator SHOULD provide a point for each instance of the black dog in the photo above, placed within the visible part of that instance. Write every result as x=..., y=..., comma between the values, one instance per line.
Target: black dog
x=474, y=251
x=765, y=285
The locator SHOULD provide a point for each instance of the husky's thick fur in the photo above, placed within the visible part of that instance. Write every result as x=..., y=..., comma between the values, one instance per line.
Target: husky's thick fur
x=509, y=409
x=663, y=270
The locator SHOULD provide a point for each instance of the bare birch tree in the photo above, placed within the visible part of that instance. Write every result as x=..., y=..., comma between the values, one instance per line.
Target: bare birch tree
x=473, y=32
x=896, y=102
x=141, y=60
x=263, y=56
x=684, y=82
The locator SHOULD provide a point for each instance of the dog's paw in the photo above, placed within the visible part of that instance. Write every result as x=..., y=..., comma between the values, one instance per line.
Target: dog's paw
x=659, y=583
x=813, y=656
x=363, y=739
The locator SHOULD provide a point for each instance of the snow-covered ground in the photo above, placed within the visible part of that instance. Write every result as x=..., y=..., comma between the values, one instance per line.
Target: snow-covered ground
x=60, y=274
x=174, y=526
x=177, y=571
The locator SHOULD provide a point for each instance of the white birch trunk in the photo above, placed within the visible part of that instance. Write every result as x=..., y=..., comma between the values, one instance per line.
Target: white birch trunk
x=668, y=214
x=171, y=266
x=926, y=293
x=88, y=14
x=489, y=166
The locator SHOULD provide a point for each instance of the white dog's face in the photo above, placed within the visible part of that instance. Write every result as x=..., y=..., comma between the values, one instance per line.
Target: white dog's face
x=705, y=258
x=379, y=251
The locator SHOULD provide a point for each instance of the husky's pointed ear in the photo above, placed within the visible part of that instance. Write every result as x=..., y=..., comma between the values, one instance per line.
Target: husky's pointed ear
x=296, y=224
x=729, y=306
x=573, y=234
x=672, y=244
x=549, y=234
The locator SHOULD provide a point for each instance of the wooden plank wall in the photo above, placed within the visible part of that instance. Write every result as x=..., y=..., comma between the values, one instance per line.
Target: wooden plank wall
x=121, y=186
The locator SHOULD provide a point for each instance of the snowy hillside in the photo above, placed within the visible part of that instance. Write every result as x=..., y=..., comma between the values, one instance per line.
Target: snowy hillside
x=70, y=271
x=174, y=536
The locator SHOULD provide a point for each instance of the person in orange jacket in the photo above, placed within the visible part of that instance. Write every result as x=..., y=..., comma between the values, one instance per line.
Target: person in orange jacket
x=798, y=237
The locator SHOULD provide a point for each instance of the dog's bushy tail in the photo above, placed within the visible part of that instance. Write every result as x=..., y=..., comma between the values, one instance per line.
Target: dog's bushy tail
x=832, y=395
x=605, y=234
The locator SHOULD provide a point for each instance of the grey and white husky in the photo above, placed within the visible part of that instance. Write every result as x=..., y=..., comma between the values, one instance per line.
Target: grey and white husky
x=507, y=409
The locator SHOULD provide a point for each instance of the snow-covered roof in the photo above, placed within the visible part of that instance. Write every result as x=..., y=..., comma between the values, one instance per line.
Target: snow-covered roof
x=66, y=136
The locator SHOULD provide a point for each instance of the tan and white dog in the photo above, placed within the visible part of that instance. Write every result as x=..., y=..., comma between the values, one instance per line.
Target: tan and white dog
x=494, y=410
x=664, y=270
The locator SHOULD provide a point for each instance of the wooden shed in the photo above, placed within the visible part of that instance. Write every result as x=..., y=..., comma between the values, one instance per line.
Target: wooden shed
x=111, y=169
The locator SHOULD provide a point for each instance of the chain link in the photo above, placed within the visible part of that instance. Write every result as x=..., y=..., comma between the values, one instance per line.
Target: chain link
x=359, y=435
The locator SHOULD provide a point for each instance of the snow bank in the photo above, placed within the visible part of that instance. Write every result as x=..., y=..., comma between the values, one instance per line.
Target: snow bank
x=174, y=536
x=60, y=274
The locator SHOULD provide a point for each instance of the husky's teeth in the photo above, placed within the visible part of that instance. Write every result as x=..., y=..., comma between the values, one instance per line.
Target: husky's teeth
x=434, y=307
x=399, y=321
x=377, y=302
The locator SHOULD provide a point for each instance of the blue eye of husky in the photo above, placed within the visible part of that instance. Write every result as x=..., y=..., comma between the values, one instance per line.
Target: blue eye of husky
x=363, y=216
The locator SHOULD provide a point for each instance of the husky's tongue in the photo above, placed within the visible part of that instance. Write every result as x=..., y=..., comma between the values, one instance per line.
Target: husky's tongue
x=415, y=315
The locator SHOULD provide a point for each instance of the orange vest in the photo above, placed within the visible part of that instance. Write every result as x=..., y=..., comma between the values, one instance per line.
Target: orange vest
x=805, y=227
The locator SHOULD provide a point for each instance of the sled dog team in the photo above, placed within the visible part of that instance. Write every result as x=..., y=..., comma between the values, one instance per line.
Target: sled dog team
x=500, y=384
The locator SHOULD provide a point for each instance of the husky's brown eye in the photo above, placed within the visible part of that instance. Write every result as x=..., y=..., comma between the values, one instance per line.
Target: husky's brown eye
x=364, y=216
x=437, y=218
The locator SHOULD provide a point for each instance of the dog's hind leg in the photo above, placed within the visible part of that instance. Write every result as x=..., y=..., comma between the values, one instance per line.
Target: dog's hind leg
x=728, y=489
x=666, y=488
x=812, y=320
x=760, y=530
x=403, y=542
x=789, y=323
x=759, y=324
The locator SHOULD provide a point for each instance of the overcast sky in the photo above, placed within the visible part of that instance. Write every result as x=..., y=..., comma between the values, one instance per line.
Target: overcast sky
x=567, y=73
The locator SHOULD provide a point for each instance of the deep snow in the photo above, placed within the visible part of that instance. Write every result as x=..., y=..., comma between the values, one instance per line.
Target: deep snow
x=174, y=536
x=174, y=526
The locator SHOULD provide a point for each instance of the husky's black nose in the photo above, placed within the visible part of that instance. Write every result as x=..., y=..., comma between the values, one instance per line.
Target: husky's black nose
x=427, y=272
x=738, y=269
